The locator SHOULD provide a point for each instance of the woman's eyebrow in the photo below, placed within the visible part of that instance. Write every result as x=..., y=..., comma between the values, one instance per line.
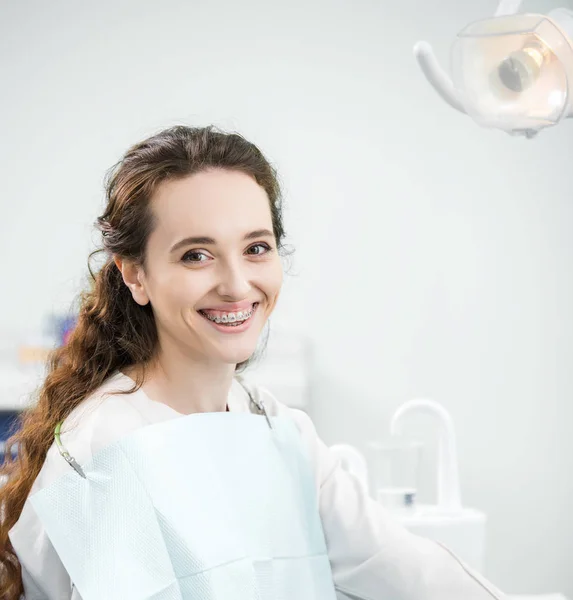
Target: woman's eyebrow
x=209, y=240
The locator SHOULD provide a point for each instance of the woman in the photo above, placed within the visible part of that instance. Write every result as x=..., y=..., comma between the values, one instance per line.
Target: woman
x=193, y=236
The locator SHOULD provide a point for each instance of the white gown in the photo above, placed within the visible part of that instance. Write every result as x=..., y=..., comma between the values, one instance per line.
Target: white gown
x=372, y=557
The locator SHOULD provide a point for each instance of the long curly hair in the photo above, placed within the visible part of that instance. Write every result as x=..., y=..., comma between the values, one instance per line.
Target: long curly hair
x=112, y=330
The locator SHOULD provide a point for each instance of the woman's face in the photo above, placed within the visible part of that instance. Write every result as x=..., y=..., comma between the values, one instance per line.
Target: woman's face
x=212, y=256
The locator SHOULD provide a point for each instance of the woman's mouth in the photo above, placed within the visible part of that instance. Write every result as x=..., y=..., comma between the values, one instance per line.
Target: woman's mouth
x=233, y=322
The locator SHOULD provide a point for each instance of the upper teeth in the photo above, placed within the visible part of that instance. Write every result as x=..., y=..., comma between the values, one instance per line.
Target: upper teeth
x=230, y=317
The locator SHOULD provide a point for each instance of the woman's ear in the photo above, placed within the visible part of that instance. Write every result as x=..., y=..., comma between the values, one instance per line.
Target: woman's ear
x=133, y=278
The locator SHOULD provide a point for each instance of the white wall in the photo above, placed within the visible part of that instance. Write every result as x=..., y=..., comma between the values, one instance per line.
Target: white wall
x=434, y=258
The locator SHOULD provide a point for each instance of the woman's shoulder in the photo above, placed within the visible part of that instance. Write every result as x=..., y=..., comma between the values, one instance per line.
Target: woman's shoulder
x=323, y=462
x=99, y=420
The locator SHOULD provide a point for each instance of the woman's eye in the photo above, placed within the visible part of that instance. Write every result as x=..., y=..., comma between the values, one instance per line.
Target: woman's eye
x=189, y=256
x=266, y=248
x=194, y=256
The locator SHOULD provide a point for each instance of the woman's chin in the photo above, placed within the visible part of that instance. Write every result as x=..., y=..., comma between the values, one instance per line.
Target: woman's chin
x=236, y=356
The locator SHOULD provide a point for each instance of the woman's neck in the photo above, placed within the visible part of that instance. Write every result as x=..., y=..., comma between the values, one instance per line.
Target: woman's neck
x=187, y=387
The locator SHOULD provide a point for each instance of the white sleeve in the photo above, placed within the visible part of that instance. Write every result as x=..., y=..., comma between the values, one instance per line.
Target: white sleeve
x=372, y=556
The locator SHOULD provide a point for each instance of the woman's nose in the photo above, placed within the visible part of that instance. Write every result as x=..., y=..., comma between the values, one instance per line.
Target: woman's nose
x=234, y=281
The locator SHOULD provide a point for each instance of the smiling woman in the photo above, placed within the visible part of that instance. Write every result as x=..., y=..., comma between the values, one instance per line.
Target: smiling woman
x=193, y=235
x=149, y=468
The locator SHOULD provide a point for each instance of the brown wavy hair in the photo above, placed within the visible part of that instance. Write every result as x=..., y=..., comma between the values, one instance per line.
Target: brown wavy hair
x=112, y=330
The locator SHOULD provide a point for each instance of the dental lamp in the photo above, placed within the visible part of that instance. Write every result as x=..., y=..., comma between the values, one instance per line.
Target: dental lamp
x=512, y=71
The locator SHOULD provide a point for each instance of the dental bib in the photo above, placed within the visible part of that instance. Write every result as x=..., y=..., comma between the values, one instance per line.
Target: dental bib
x=208, y=506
